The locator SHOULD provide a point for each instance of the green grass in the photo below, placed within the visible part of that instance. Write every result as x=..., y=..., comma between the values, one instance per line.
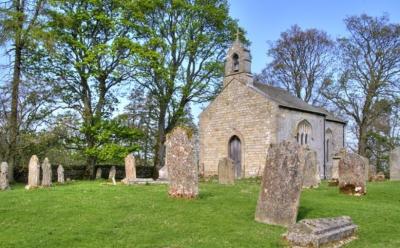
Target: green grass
x=93, y=214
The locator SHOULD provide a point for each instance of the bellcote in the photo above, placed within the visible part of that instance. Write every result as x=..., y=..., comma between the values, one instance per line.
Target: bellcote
x=238, y=61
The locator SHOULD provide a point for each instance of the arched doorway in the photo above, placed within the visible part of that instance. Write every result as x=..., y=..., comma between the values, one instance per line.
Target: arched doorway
x=235, y=153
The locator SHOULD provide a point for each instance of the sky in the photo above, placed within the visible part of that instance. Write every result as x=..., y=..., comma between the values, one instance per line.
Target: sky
x=264, y=20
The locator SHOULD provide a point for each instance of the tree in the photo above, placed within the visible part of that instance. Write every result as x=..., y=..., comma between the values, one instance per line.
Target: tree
x=369, y=74
x=18, y=22
x=186, y=43
x=301, y=63
x=90, y=47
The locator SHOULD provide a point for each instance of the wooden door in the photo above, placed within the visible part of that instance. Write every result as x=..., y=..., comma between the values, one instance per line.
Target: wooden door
x=235, y=153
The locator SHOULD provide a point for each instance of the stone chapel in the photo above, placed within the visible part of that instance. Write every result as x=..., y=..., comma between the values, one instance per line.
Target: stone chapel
x=248, y=115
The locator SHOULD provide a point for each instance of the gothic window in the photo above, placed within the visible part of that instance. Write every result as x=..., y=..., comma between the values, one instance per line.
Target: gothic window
x=329, y=143
x=235, y=62
x=303, y=132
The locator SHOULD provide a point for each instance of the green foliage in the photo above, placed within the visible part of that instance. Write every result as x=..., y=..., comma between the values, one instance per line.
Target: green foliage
x=114, y=140
x=223, y=216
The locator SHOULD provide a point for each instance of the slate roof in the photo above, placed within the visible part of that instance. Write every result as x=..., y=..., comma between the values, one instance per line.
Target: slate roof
x=286, y=100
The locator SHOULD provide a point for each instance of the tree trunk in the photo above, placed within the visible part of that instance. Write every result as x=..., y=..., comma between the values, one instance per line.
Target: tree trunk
x=160, y=148
x=13, y=122
x=362, y=140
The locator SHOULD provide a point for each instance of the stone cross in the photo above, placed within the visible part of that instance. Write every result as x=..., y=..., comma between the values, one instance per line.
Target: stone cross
x=281, y=185
x=311, y=177
x=4, y=183
x=111, y=175
x=352, y=176
x=394, y=161
x=182, y=170
x=60, y=174
x=130, y=169
x=226, y=171
x=34, y=173
x=98, y=173
x=47, y=173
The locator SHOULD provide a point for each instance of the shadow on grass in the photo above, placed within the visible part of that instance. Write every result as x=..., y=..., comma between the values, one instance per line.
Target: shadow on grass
x=205, y=195
x=303, y=211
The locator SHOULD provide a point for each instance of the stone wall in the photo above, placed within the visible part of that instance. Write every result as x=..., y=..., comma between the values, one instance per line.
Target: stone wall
x=242, y=111
x=288, y=122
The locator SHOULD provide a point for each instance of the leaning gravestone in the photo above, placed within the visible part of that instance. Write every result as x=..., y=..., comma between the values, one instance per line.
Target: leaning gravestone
x=395, y=164
x=324, y=232
x=281, y=185
x=226, y=171
x=130, y=169
x=311, y=177
x=352, y=176
x=111, y=175
x=60, y=174
x=4, y=183
x=47, y=173
x=182, y=170
x=34, y=173
x=98, y=173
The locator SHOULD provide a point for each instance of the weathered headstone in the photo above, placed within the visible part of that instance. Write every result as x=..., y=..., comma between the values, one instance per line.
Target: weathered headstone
x=395, y=164
x=4, y=183
x=334, y=232
x=98, y=173
x=226, y=171
x=371, y=171
x=182, y=170
x=378, y=177
x=34, y=173
x=281, y=185
x=311, y=177
x=60, y=174
x=334, y=181
x=47, y=173
x=163, y=173
x=111, y=175
x=352, y=176
x=130, y=169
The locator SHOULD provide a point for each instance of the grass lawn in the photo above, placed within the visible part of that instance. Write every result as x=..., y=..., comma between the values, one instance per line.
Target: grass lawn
x=93, y=214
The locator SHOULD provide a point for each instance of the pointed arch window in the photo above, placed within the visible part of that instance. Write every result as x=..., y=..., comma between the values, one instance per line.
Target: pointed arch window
x=303, y=132
x=235, y=62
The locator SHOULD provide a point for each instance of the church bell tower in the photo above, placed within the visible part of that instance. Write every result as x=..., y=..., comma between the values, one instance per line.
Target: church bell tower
x=238, y=63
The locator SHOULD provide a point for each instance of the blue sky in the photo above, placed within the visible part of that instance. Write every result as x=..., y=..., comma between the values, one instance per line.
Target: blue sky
x=264, y=20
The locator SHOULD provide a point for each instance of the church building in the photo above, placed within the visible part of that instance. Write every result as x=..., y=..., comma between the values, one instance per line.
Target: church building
x=248, y=115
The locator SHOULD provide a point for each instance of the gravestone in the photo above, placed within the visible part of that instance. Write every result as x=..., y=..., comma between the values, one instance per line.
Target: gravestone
x=60, y=174
x=163, y=173
x=311, y=177
x=98, y=173
x=226, y=171
x=394, y=161
x=111, y=175
x=366, y=163
x=4, y=183
x=324, y=232
x=47, y=173
x=371, y=171
x=34, y=173
x=378, y=177
x=182, y=170
x=281, y=184
x=352, y=176
x=130, y=169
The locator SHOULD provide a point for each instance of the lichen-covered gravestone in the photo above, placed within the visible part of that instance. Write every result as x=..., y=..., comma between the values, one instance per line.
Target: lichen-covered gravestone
x=130, y=169
x=311, y=177
x=98, y=173
x=4, y=183
x=226, y=171
x=352, y=176
x=111, y=175
x=281, y=185
x=60, y=174
x=47, y=173
x=34, y=173
x=182, y=170
x=395, y=164
x=324, y=232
